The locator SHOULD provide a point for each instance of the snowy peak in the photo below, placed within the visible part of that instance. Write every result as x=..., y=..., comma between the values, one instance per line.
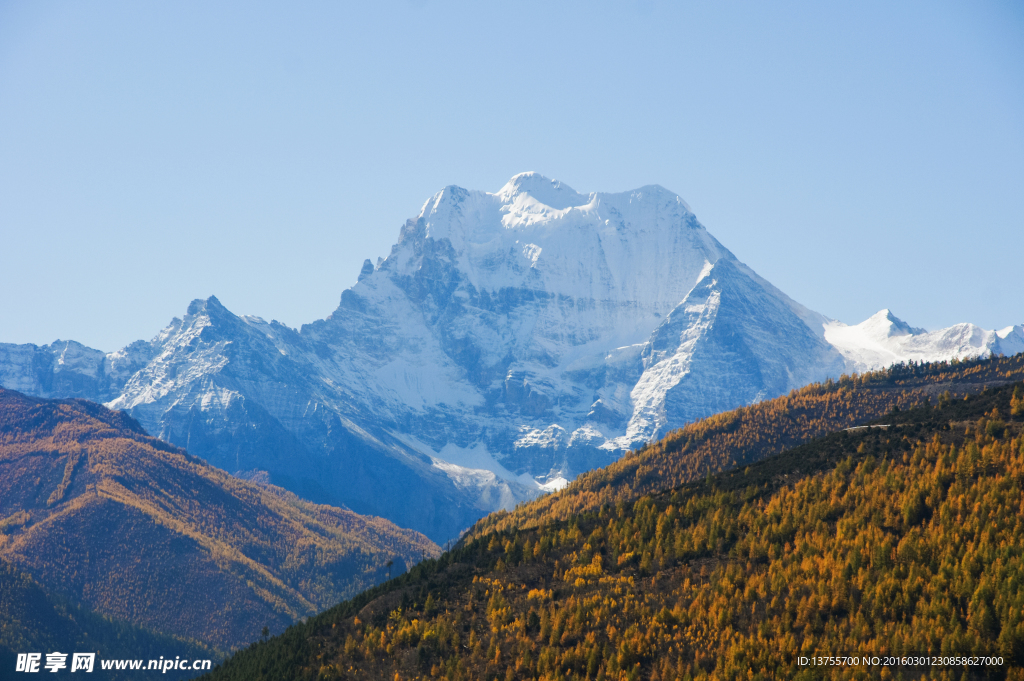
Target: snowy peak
x=884, y=324
x=210, y=307
x=72, y=356
x=529, y=188
x=883, y=339
x=531, y=206
x=1010, y=340
x=643, y=247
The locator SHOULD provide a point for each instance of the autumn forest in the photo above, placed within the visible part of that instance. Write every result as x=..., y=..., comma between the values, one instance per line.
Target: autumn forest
x=781, y=531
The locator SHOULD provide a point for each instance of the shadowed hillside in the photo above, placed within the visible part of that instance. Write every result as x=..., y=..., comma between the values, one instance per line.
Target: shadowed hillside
x=136, y=529
x=33, y=621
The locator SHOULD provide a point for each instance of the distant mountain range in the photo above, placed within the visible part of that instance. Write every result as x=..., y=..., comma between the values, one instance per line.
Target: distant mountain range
x=509, y=342
x=108, y=518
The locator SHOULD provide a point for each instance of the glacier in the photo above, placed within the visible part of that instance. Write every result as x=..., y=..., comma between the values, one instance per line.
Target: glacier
x=508, y=342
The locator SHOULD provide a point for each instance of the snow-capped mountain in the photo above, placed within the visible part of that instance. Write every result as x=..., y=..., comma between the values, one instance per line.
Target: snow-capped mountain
x=882, y=339
x=508, y=342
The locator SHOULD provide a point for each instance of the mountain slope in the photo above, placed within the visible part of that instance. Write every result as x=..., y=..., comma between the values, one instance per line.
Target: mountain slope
x=880, y=541
x=749, y=434
x=251, y=396
x=509, y=342
x=32, y=620
x=133, y=528
x=730, y=341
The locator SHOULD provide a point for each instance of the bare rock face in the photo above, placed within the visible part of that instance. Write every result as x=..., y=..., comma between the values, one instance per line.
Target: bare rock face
x=509, y=342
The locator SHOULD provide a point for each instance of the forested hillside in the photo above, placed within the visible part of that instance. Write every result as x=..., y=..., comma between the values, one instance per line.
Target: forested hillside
x=33, y=621
x=742, y=436
x=895, y=540
x=136, y=529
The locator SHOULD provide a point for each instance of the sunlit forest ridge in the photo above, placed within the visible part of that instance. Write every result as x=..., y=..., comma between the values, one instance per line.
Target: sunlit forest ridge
x=900, y=539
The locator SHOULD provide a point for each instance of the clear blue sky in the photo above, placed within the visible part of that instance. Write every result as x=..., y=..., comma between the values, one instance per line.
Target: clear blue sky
x=861, y=156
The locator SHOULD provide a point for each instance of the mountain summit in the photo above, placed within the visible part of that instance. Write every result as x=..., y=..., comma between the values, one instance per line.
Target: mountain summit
x=883, y=339
x=509, y=341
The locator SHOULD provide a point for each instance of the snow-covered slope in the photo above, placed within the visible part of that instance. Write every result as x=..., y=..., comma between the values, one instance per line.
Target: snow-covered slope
x=730, y=342
x=507, y=343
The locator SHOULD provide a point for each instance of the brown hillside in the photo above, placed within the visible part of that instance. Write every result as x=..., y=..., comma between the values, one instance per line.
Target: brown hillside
x=136, y=529
x=749, y=434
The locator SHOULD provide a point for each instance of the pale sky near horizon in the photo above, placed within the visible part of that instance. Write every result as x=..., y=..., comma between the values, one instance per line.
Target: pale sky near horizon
x=858, y=157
